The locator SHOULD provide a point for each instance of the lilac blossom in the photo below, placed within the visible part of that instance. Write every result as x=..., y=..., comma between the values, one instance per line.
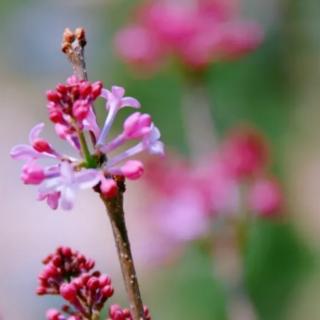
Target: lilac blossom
x=72, y=112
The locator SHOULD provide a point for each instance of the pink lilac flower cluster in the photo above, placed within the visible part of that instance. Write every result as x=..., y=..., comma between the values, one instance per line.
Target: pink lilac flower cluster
x=71, y=110
x=69, y=274
x=198, y=32
x=233, y=179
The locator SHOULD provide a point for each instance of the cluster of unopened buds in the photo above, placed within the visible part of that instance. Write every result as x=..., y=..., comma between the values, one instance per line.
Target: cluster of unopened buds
x=71, y=110
x=70, y=274
x=198, y=32
x=231, y=183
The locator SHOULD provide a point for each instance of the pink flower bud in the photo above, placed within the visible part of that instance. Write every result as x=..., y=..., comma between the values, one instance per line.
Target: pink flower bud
x=56, y=116
x=93, y=283
x=41, y=291
x=104, y=280
x=107, y=291
x=68, y=291
x=53, y=96
x=108, y=188
x=53, y=314
x=67, y=251
x=85, y=89
x=32, y=173
x=265, y=198
x=132, y=169
x=246, y=153
x=80, y=110
x=96, y=89
x=61, y=88
x=41, y=145
x=137, y=125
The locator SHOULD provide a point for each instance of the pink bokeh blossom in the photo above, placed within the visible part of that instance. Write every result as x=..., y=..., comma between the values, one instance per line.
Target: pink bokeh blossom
x=198, y=33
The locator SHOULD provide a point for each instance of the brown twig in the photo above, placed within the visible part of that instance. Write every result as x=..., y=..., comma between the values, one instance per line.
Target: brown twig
x=117, y=217
x=73, y=44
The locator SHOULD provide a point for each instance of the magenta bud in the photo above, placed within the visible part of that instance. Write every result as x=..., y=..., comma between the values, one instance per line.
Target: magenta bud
x=53, y=314
x=90, y=264
x=66, y=251
x=104, y=280
x=107, y=291
x=41, y=291
x=78, y=282
x=85, y=89
x=96, y=89
x=85, y=277
x=56, y=260
x=61, y=88
x=56, y=116
x=41, y=145
x=53, y=96
x=93, y=283
x=68, y=291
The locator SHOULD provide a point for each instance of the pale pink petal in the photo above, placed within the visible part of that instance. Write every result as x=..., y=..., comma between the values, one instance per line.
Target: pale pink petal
x=67, y=198
x=87, y=178
x=66, y=171
x=118, y=92
x=35, y=132
x=130, y=102
x=24, y=152
x=132, y=169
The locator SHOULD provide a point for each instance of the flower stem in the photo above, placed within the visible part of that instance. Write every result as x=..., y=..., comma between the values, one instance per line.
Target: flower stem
x=91, y=163
x=116, y=214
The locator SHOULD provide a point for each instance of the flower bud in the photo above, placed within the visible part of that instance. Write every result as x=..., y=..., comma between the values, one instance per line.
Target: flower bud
x=41, y=145
x=132, y=169
x=68, y=291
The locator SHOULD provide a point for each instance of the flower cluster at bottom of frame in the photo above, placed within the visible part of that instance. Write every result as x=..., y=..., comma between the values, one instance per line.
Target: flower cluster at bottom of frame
x=70, y=274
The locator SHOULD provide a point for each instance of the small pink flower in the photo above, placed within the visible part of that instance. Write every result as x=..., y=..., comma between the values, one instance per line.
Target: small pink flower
x=32, y=173
x=198, y=33
x=265, y=198
x=137, y=45
x=246, y=153
x=137, y=125
x=68, y=183
x=115, y=100
x=38, y=147
x=71, y=110
x=132, y=170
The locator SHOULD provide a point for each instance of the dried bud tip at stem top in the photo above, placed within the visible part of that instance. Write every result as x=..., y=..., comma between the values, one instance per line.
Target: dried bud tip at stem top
x=68, y=36
x=80, y=35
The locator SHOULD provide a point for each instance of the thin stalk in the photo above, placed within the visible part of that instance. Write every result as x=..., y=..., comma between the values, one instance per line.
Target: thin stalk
x=91, y=163
x=116, y=215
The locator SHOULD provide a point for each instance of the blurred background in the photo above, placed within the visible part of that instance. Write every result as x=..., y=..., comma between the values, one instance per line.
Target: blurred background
x=274, y=88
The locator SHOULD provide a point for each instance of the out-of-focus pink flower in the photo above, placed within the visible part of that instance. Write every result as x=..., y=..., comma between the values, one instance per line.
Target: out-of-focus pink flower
x=198, y=33
x=137, y=45
x=265, y=197
x=245, y=152
x=182, y=217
